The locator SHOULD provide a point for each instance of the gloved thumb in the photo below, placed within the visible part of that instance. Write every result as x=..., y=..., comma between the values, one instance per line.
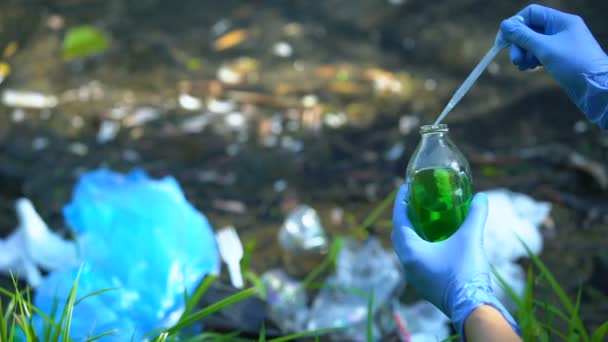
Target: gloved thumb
x=408, y=244
x=474, y=225
x=517, y=32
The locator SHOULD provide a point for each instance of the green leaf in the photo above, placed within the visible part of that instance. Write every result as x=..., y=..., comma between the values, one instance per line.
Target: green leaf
x=262, y=333
x=257, y=282
x=598, y=335
x=96, y=293
x=84, y=41
x=97, y=337
x=370, y=318
x=378, y=211
x=328, y=262
x=574, y=314
x=247, y=256
x=66, y=314
x=561, y=294
x=198, y=294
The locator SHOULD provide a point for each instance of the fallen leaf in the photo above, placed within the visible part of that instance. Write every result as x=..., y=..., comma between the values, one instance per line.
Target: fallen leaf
x=230, y=40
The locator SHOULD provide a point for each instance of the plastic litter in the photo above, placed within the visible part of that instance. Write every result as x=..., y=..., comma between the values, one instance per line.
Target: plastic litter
x=33, y=246
x=511, y=217
x=139, y=236
x=303, y=241
x=286, y=300
x=28, y=99
x=423, y=321
x=231, y=251
x=361, y=269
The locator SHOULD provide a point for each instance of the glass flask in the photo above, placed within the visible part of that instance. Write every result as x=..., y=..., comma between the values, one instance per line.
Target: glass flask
x=439, y=185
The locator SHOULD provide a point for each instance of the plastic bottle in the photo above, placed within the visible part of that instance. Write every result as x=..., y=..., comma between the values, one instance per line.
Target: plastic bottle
x=439, y=185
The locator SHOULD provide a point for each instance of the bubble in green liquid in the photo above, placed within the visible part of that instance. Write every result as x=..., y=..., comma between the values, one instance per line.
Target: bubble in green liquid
x=438, y=202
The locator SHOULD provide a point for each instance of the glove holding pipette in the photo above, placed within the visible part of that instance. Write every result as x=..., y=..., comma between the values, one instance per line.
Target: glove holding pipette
x=563, y=44
x=500, y=43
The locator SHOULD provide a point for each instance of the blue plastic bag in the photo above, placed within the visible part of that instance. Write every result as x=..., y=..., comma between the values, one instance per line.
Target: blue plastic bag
x=140, y=236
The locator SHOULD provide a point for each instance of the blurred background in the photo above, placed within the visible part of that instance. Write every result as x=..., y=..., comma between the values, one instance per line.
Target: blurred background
x=258, y=106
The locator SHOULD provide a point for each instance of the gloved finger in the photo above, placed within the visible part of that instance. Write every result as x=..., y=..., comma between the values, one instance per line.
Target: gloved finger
x=531, y=61
x=473, y=226
x=408, y=244
x=517, y=32
x=517, y=55
x=540, y=17
x=400, y=208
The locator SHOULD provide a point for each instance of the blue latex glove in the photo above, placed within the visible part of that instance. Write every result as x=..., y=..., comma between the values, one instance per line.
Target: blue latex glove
x=452, y=274
x=563, y=44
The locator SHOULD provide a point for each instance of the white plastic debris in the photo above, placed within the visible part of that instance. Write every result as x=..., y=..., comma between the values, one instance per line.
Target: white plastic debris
x=282, y=49
x=335, y=120
x=28, y=99
x=195, y=124
x=361, y=269
x=189, y=102
x=107, y=131
x=78, y=149
x=407, y=123
x=287, y=300
x=33, y=246
x=512, y=217
x=231, y=251
x=140, y=116
x=220, y=106
x=395, y=152
x=423, y=321
x=229, y=76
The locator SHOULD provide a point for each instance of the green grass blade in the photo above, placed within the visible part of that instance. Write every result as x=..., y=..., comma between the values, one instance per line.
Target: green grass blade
x=197, y=316
x=162, y=337
x=198, y=294
x=561, y=294
x=370, y=318
x=257, y=282
x=95, y=293
x=249, y=247
x=305, y=334
x=574, y=315
x=555, y=332
x=378, y=211
x=451, y=338
x=553, y=310
x=68, y=310
x=262, y=337
x=102, y=335
x=328, y=262
x=600, y=333
x=11, y=337
x=3, y=324
x=508, y=289
x=47, y=328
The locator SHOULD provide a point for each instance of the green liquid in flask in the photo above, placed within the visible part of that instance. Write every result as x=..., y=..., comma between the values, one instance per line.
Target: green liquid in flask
x=439, y=201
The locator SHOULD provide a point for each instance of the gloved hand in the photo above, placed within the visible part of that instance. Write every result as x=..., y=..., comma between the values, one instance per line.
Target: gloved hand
x=452, y=274
x=563, y=44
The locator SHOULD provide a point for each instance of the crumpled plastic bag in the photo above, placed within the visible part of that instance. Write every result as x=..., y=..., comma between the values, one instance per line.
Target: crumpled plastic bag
x=362, y=268
x=139, y=236
x=512, y=216
x=33, y=246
